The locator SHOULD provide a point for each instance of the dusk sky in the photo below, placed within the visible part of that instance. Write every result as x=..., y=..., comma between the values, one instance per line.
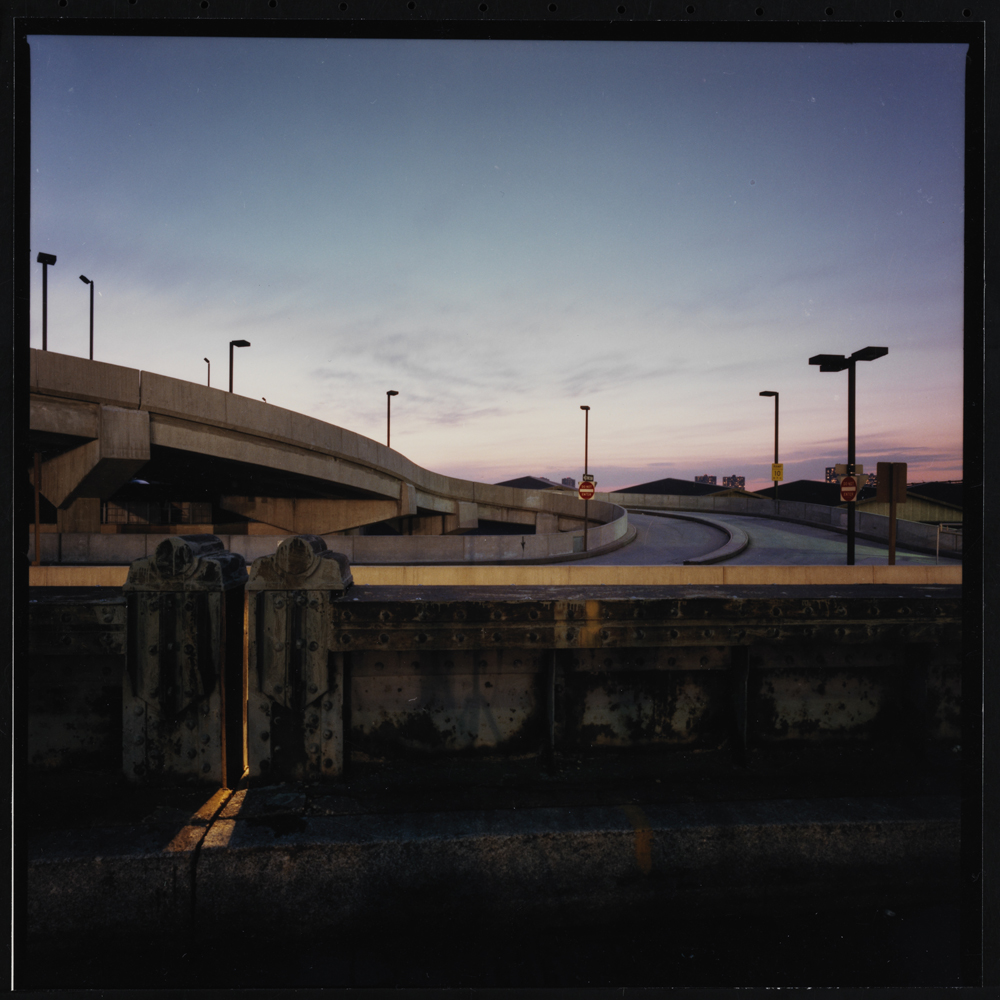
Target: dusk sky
x=503, y=231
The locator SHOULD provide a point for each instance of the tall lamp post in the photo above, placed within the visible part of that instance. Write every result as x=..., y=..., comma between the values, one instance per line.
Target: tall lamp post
x=45, y=259
x=232, y=344
x=586, y=503
x=388, y=412
x=837, y=363
x=209, y=363
x=88, y=281
x=768, y=393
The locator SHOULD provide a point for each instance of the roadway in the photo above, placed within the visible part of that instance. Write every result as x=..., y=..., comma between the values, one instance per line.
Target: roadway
x=669, y=541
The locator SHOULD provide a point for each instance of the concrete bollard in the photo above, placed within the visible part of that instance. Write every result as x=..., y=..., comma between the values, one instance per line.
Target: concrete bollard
x=295, y=680
x=183, y=697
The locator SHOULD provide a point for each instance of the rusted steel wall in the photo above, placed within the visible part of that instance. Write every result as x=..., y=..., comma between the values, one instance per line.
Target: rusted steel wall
x=76, y=660
x=433, y=702
x=482, y=672
x=676, y=695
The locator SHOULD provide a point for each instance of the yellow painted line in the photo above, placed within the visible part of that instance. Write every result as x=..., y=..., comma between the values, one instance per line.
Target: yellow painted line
x=643, y=837
x=565, y=575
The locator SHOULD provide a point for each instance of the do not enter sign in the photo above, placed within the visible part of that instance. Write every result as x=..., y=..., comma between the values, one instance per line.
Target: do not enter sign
x=586, y=491
x=848, y=489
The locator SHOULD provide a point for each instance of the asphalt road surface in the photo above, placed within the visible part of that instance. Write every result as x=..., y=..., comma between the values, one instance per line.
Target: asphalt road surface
x=668, y=541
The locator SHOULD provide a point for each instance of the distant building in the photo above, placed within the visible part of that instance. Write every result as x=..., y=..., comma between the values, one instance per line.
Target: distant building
x=706, y=480
x=569, y=482
x=736, y=481
x=806, y=491
x=870, y=479
x=932, y=503
x=533, y=483
x=684, y=488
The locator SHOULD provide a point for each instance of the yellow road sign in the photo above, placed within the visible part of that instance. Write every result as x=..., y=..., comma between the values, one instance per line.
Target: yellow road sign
x=777, y=472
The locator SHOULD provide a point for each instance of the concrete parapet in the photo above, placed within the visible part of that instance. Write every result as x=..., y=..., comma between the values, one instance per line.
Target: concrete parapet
x=54, y=374
x=551, y=575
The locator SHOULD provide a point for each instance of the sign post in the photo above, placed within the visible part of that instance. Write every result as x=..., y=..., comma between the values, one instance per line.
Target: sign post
x=586, y=493
x=892, y=488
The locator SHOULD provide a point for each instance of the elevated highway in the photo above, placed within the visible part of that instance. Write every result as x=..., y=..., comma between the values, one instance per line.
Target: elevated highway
x=97, y=425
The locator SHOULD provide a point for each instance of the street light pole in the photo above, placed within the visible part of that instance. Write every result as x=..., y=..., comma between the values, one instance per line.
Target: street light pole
x=388, y=412
x=87, y=281
x=232, y=344
x=209, y=363
x=45, y=259
x=586, y=503
x=775, y=438
x=837, y=363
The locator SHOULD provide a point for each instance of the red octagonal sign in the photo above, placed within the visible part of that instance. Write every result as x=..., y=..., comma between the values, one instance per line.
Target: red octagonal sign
x=586, y=491
x=848, y=489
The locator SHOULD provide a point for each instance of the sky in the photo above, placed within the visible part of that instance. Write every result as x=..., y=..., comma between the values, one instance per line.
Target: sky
x=503, y=231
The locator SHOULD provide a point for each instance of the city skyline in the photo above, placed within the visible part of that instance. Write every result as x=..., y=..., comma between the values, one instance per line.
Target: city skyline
x=502, y=231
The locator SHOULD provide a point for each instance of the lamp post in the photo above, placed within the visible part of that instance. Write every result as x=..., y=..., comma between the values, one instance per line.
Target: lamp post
x=768, y=393
x=232, y=344
x=388, y=412
x=88, y=281
x=837, y=363
x=45, y=259
x=586, y=503
x=209, y=363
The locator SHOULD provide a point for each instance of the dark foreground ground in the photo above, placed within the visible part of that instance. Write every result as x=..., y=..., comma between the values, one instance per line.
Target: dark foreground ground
x=844, y=936
x=872, y=946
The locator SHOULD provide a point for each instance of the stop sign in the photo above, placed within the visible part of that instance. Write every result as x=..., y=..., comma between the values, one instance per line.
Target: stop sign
x=848, y=489
x=586, y=491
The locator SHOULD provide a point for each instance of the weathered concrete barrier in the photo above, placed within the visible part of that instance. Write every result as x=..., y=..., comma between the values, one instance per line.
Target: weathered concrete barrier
x=295, y=670
x=182, y=704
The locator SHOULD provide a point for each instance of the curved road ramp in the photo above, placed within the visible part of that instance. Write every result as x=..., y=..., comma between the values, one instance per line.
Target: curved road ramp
x=238, y=760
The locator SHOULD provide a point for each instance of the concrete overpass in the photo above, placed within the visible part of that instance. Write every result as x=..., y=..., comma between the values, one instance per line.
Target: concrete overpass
x=278, y=472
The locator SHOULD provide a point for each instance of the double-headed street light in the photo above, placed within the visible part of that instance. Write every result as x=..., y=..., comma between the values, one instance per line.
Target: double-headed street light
x=232, y=344
x=769, y=393
x=389, y=393
x=45, y=259
x=88, y=281
x=837, y=363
